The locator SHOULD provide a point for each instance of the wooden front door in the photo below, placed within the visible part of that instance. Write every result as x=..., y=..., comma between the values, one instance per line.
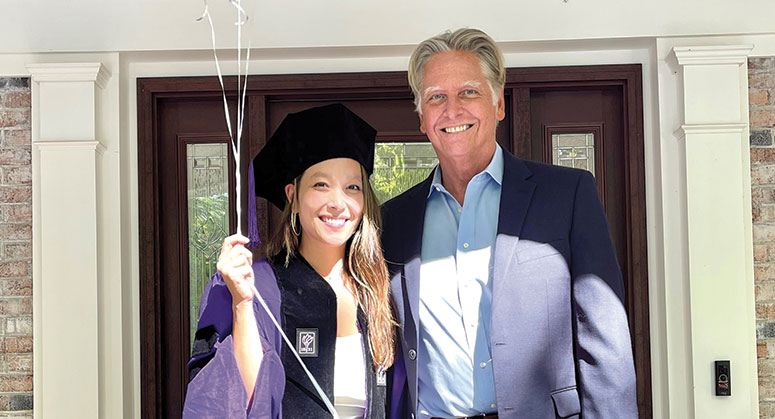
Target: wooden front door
x=185, y=174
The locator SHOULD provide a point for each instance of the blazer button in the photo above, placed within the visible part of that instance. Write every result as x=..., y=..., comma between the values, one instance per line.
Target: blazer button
x=412, y=354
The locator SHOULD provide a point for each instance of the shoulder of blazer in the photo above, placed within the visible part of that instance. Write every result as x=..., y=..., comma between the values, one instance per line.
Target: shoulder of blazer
x=402, y=220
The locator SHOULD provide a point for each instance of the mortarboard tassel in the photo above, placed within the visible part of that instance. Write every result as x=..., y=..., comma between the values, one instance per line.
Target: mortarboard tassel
x=252, y=217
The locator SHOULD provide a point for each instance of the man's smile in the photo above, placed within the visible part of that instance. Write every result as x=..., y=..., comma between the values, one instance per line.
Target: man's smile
x=459, y=128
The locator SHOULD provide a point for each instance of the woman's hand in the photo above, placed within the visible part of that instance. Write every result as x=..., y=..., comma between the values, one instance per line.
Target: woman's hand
x=235, y=264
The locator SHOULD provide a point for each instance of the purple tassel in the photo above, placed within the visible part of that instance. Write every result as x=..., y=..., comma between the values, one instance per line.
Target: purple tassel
x=252, y=217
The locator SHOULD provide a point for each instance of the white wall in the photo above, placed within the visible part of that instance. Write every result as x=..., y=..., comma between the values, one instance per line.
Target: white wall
x=141, y=25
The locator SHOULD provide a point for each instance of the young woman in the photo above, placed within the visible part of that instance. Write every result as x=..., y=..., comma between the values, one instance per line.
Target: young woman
x=324, y=280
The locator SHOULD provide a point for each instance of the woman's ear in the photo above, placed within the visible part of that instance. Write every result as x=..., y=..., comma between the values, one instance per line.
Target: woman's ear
x=289, y=191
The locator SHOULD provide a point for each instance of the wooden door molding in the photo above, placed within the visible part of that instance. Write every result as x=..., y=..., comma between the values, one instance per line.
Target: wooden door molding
x=266, y=89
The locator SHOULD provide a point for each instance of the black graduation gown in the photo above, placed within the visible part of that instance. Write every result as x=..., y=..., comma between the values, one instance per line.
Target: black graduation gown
x=309, y=306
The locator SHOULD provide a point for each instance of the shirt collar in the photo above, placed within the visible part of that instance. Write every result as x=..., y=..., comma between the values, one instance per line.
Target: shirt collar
x=494, y=169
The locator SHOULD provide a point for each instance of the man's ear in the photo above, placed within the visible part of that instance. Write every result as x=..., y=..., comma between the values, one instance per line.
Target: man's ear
x=500, y=111
x=289, y=191
x=422, y=125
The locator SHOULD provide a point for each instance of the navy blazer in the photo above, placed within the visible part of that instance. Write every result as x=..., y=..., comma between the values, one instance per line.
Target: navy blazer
x=559, y=338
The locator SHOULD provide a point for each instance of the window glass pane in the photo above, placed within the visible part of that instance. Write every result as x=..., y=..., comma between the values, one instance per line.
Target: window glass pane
x=399, y=166
x=574, y=150
x=208, y=216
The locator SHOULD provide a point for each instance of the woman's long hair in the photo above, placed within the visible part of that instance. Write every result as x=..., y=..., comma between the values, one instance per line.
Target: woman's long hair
x=363, y=263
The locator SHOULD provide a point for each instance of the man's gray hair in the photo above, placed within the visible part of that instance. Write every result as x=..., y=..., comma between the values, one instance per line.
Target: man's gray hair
x=464, y=39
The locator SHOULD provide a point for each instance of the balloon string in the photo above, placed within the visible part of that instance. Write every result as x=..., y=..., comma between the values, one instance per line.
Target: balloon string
x=235, y=147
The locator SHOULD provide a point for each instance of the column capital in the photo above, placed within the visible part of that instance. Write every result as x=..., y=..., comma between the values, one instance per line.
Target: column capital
x=70, y=72
x=712, y=55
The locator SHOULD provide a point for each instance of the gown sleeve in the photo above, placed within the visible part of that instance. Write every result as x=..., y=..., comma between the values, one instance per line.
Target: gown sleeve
x=215, y=389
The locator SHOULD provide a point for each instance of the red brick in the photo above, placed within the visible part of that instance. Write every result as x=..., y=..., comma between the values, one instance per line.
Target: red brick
x=11, y=119
x=18, y=306
x=15, y=383
x=766, y=389
x=759, y=64
x=761, y=350
x=763, y=311
x=15, y=157
x=18, y=326
x=766, y=367
x=10, y=194
x=759, y=97
x=764, y=253
x=766, y=409
x=17, y=345
x=762, y=195
x=17, y=137
x=763, y=213
x=18, y=175
x=763, y=272
x=16, y=213
x=19, y=363
x=15, y=231
x=762, y=155
x=14, y=269
x=16, y=287
x=760, y=175
x=4, y=402
x=761, y=80
x=762, y=118
x=17, y=100
x=763, y=233
x=18, y=250
x=765, y=291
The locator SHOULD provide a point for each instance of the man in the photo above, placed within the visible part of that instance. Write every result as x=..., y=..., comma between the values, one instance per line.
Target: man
x=503, y=273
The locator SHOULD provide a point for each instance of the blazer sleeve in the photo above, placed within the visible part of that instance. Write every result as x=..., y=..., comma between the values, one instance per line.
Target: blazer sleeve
x=215, y=389
x=602, y=339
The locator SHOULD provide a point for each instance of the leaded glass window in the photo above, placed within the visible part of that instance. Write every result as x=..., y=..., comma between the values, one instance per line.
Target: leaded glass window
x=208, y=216
x=574, y=150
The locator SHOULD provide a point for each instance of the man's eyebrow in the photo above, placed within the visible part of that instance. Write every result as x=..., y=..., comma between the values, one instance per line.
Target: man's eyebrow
x=430, y=89
x=472, y=83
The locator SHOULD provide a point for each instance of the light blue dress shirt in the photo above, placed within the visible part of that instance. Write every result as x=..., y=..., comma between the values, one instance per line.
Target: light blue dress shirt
x=454, y=363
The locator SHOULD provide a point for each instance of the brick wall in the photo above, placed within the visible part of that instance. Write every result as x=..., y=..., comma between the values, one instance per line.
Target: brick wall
x=761, y=97
x=15, y=250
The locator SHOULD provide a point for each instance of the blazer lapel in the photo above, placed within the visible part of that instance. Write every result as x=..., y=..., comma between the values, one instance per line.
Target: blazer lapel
x=415, y=217
x=516, y=193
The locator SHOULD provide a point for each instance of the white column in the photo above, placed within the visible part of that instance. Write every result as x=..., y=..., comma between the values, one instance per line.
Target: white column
x=67, y=158
x=717, y=195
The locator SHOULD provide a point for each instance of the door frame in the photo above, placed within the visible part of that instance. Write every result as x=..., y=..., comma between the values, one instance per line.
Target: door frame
x=369, y=85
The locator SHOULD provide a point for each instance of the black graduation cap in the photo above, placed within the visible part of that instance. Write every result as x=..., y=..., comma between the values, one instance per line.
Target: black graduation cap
x=306, y=138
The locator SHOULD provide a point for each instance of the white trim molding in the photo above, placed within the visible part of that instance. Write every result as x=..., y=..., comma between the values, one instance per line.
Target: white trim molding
x=70, y=72
x=87, y=144
x=713, y=54
x=685, y=130
x=714, y=189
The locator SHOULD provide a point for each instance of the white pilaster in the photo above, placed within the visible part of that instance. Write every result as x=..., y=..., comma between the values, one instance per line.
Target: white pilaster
x=67, y=159
x=719, y=241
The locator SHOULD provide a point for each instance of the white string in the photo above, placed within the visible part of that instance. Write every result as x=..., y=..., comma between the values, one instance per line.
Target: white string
x=235, y=148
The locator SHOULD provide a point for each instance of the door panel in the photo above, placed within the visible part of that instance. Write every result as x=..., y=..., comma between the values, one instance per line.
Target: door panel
x=596, y=110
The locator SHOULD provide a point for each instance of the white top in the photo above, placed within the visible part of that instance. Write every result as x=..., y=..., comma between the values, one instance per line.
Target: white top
x=350, y=377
